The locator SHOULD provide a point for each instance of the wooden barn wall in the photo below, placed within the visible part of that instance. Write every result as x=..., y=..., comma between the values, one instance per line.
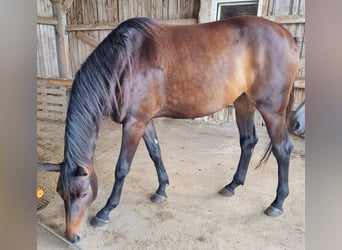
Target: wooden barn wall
x=47, y=64
x=89, y=21
x=293, y=13
x=51, y=99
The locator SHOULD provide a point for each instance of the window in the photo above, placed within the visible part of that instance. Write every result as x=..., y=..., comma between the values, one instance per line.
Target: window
x=227, y=9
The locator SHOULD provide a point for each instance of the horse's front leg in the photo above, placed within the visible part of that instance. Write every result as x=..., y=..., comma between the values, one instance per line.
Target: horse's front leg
x=131, y=136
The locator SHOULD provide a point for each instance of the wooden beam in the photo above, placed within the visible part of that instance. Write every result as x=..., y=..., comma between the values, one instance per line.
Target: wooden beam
x=55, y=81
x=264, y=7
x=299, y=84
x=111, y=26
x=287, y=19
x=181, y=21
x=87, y=27
x=87, y=39
x=46, y=20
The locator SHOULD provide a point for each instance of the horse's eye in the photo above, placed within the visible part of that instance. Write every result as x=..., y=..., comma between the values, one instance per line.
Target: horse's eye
x=84, y=195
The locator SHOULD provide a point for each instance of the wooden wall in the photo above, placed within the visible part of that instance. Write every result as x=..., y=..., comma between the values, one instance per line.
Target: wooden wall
x=87, y=22
x=291, y=14
x=47, y=64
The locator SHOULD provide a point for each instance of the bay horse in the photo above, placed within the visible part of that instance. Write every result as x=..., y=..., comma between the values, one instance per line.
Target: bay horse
x=145, y=69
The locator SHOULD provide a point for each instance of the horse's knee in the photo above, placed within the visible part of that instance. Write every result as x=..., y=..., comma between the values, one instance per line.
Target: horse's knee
x=248, y=142
x=121, y=172
x=284, y=150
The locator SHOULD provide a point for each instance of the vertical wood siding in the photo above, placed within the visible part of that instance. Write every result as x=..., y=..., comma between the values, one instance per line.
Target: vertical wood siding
x=114, y=12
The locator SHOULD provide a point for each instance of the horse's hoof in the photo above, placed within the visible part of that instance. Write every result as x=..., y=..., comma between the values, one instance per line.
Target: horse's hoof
x=225, y=192
x=273, y=212
x=158, y=198
x=98, y=222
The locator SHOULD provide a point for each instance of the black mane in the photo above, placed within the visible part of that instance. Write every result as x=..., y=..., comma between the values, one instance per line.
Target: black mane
x=96, y=92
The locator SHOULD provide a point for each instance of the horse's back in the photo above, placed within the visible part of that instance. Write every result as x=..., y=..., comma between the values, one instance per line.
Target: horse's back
x=200, y=69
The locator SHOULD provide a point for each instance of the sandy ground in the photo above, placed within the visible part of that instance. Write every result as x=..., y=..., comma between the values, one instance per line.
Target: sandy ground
x=200, y=159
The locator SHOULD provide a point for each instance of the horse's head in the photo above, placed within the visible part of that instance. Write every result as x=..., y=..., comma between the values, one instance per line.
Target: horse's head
x=78, y=189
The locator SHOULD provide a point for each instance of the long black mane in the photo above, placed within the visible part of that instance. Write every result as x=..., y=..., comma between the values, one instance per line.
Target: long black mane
x=97, y=92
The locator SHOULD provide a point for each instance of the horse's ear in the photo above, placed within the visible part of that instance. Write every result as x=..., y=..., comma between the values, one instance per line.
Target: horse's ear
x=56, y=167
x=81, y=171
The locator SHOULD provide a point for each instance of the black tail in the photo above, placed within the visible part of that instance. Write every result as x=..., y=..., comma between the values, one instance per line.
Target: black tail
x=268, y=151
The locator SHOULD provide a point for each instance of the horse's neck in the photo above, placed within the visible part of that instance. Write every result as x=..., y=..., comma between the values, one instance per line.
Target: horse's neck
x=80, y=142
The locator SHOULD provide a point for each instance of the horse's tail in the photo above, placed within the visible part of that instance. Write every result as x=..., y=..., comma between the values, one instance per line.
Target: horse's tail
x=268, y=151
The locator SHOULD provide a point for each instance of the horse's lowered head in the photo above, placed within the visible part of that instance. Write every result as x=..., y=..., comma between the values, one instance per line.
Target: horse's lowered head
x=78, y=188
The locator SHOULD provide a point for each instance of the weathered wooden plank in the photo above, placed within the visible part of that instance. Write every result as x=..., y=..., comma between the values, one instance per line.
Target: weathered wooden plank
x=89, y=9
x=157, y=9
x=165, y=9
x=54, y=81
x=107, y=11
x=196, y=8
x=44, y=89
x=126, y=9
x=44, y=8
x=42, y=48
x=89, y=27
x=299, y=84
x=87, y=39
x=40, y=62
x=48, y=51
x=51, y=99
x=141, y=8
x=287, y=19
x=46, y=20
x=47, y=108
x=270, y=9
x=111, y=26
x=295, y=7
x=282, y=7
x=51, y=116
x=174, y=9
x=186, y=8
x=302, y=54
x=301, y=10
x=182, y=21
x=264, y=7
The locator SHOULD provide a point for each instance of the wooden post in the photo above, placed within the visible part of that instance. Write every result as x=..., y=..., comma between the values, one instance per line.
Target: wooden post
x=62, y=40
x=264, y=6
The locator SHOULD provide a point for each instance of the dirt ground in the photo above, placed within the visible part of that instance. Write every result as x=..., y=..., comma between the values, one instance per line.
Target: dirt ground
x=200, y=158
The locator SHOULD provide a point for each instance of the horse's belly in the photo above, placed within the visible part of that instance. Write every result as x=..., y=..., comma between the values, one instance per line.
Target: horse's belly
x=201, y=103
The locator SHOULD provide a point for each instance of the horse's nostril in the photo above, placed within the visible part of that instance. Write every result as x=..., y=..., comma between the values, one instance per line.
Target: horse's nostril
x=75, y=238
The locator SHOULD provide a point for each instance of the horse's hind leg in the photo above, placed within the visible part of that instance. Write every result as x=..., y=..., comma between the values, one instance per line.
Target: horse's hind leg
x=131, y=135
x=248, y=138
x=281, y=147
x=152, y=144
